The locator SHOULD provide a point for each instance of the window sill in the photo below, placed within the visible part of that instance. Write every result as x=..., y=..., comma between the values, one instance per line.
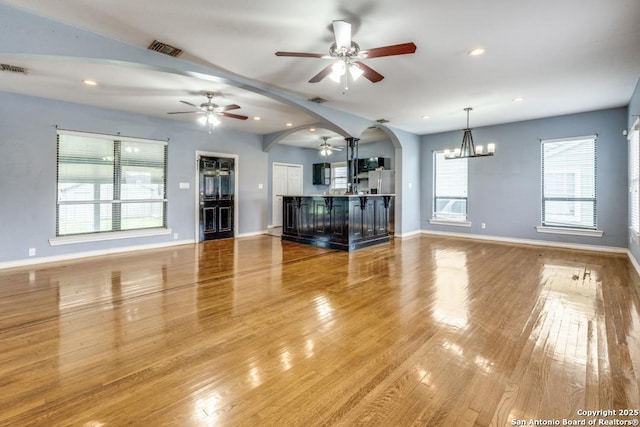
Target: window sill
x=99, y=237
x=570, y=231
x=450, y=222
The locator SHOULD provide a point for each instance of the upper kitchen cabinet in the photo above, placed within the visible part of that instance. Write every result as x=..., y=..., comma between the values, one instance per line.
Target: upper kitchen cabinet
x=322, y=174
x=373, y=163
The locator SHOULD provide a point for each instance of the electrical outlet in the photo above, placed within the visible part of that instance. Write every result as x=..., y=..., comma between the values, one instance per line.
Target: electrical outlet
x=483, y=225
x=260, y=186
x=32, y=251
x=175, y=236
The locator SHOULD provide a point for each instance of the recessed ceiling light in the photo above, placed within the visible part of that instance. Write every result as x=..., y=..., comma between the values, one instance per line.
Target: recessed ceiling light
x=90, y=82
x=312, y=129
x=256, y=118
x=289, y=125
x=518, y=99
x=476, y=51
x=425, y=116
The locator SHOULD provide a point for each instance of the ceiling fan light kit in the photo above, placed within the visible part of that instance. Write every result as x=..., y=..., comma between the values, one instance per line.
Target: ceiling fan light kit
x=326, y=148
x=209, y=120
x=349, y=56
x=468, y=148
x=210, y=111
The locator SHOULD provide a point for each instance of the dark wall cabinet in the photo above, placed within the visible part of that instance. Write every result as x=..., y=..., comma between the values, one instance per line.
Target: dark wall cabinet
x=322, y=174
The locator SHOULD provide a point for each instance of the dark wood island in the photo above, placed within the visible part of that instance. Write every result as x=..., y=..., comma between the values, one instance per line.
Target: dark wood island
x=343, y=222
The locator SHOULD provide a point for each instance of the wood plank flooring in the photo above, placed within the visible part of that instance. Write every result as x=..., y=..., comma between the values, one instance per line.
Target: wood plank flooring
x=256, y=332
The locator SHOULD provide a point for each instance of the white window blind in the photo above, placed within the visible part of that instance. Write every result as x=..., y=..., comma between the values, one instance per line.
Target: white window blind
x=634, y=178
x=339, y=176
x=450, y=188
x=569, y=182
x=107, y=183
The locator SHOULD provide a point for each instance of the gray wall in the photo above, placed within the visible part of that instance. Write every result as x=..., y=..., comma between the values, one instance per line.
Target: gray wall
x=505, y=190
x=408, y=185
x=28, y=171
x=632, y=114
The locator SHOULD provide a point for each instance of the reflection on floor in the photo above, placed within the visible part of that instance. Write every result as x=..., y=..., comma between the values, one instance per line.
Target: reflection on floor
x=254, y=331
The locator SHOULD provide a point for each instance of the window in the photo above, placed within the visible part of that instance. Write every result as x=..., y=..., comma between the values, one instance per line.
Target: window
x=339, y=176
x=108, y=183
x=450, y=188
x=634, y=178
x=569, y=182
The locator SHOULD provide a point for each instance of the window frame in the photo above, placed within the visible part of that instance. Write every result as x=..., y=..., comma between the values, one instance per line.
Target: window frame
x=548, y=226
x=334, y=176
x=634, y=177
x=118, y=199
x=435, y=219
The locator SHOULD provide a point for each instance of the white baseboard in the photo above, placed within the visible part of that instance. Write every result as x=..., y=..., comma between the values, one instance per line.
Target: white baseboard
x=86, y=254
x=409, y=234
x=633, y=262
x=578, y=246
x=253, y=233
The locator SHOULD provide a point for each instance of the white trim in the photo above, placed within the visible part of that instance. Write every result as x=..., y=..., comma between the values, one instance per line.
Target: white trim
x=285, y=164
x=577, y=246
x=569, y=231
x=571, y=138
x=253, y=233
x=407, y=235
x=112, y=235
x=437, y=221
x=633, y=261
x=236, y=167
x=87, y=254
x=110, y=136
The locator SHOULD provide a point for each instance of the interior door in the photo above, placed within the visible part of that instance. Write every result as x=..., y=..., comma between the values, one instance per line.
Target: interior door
x=286, y=179
x=294, y=180
x=217, y=176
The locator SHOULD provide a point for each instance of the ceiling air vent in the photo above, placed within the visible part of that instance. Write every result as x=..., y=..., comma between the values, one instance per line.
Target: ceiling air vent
x=164, y=48
x=318, y=100
x=13, y=69
x=382, y=121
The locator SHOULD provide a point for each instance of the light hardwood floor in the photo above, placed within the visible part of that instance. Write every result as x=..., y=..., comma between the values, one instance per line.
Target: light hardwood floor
x=255, y=332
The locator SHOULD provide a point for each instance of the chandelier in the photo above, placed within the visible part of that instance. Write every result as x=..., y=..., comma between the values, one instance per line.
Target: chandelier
x=468, y=149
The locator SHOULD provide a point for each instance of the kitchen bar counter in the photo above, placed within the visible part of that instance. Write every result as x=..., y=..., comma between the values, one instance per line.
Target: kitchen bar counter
x=343, y=222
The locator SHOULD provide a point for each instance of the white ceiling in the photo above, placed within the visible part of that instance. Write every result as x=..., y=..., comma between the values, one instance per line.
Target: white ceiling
x=562, y=57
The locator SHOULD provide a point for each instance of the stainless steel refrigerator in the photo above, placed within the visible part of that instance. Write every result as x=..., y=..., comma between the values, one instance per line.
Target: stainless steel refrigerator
x=382, y=181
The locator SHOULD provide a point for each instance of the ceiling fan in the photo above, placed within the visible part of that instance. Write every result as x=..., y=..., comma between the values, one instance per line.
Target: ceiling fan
x=326, y=148
x=349, y=56
x=210, y=111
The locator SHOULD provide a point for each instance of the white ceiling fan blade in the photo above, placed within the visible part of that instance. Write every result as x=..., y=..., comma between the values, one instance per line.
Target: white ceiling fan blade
x=342, y=33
